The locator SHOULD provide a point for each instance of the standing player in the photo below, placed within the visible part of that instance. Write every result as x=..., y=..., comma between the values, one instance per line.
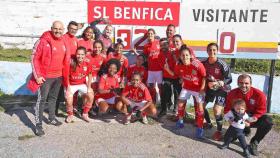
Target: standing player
x=47, y=60
x=76, y=81
x=155, y=63
x=218, y=84
x=136, y=97
x=170, y=32
x=87, y=39
x=193, y=74
x=137, y=68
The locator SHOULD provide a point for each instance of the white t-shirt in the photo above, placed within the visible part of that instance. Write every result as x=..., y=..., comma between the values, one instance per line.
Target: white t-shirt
x=240, y=124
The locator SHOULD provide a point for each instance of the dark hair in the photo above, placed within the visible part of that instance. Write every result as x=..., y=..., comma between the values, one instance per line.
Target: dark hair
x=177, y=35
x=145, y=63
x=111, y=62
x=87, y=28
x=119, y=42
x=73, y=23
x=151, y=29
x=74, y=60
x=137, y=73
x=212, y=44
x=239, y=102
x=243, y=76
x=171, y=25
x=163, y=39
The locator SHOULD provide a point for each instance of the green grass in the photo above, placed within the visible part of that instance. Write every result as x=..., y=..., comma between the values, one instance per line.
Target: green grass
x=16, y=55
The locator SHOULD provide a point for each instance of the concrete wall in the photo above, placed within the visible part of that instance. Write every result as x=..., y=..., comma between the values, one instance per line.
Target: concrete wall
x=13, y=77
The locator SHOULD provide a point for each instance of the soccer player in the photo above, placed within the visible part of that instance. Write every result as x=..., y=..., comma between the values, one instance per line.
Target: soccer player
x=193, y=74
x=76, y=81
x=136, y=98
x=218, y=79
x=87, y=39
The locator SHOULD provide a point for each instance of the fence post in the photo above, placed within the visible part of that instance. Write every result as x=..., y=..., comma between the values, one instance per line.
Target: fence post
x=270, y=85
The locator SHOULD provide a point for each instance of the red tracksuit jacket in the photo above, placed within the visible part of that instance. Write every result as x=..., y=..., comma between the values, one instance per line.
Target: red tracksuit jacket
x=41, y=59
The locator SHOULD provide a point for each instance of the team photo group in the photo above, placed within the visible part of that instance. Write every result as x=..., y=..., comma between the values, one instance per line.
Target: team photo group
x=96, y=68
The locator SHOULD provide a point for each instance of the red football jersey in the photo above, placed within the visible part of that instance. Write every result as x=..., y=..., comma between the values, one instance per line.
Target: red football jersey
x=107, y=82
x=155, y=57
x=79, y=75
x=170, y=59
x=192, y=75
x=96, y=62
x=137, y=94
x=88, y=44
x=137, y=69
x=123, y=60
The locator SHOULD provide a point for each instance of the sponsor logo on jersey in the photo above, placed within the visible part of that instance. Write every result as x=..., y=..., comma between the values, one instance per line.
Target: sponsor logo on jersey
x=85, y=68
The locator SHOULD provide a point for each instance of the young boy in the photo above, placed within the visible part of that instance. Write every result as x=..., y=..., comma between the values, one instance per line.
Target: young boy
x=237, y=118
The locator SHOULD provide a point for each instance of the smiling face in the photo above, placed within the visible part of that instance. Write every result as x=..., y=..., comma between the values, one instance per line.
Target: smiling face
x=244, y=84
x=170, y=31
x=151, y=35
x=97, y=48
x=108, y=30
x=177, y=42
x=212, y=51
x=72, y=29
x=136, y=80
x=80, y=55
x=119, y=48
x=88, y=34
x=112, y=70
x=185, y=57
x=164, y=46
x=57, y=29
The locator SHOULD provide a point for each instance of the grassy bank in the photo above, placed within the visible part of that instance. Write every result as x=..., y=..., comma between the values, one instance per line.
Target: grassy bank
x=16, y=55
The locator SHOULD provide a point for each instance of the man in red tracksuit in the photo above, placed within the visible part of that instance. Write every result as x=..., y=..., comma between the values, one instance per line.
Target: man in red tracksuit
x=255, y=107
x=48, y=59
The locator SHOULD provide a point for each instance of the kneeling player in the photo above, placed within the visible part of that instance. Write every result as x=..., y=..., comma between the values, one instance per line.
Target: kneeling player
x=136, y=98
x=76, y=81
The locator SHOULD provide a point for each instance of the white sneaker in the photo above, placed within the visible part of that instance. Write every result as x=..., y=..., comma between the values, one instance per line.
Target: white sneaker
x=127, y=119
x=85, y=117
x=69, y=119
x=145, y=120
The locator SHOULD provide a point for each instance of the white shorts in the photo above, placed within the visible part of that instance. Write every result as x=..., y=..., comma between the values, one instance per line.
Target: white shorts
x=154, y=77
x=186, y=94
x=74, y=88
x=109, y=101
x=139, y=105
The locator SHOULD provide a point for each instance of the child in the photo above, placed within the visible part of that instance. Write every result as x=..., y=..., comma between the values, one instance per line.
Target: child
x=136, y=97
x=237, y=118
x=76, y=81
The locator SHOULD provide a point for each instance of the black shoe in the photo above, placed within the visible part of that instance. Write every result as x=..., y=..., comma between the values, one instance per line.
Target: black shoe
x=39, y=131
x=208, y=126
x=77, y=113
x=55, y=122
x=254, y=148
x=224, y=146
x=161, y=114
x=246, y=153
x=247, y=131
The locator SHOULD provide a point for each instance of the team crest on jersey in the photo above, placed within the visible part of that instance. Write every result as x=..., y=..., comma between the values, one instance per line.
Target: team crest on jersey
x=194, y=72
x=85, y=68
x=252, y=101
x=140, y=94
x=217, y=71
